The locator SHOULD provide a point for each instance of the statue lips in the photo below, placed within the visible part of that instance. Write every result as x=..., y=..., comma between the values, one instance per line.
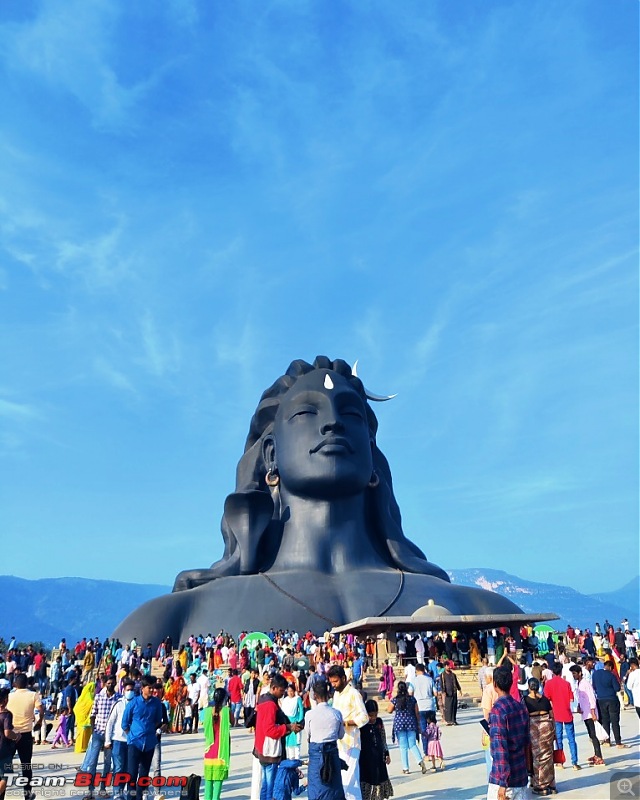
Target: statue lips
x=333, y=446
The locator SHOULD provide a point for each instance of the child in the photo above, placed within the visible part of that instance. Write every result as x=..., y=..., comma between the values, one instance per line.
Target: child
x=187, y=724
x=374, y=757
x=288, y=783
x=432, y=737
x=45, y=721
x=62, y=721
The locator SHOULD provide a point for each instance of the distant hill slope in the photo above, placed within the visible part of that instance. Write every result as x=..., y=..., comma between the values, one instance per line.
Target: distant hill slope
x=627, y=597
x=50, y=608
x=580, y=610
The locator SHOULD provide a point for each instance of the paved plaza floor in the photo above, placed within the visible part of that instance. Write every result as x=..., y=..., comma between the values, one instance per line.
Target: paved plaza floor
x=464, y=776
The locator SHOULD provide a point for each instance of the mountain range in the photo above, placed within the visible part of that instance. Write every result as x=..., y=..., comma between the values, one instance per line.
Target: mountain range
x=581, y=610
x=51, y=608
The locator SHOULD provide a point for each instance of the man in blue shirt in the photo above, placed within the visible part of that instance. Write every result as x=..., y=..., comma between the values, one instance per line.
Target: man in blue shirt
x=606, y=687
x=357, y=670
x=69, y=698
x=141, y=720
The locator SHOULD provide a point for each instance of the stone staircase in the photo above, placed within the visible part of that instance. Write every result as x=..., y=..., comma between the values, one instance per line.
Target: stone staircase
x=467, y=677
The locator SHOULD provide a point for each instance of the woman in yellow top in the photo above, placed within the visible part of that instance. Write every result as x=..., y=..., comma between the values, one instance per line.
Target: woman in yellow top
x=82, y=712
x=183, y=658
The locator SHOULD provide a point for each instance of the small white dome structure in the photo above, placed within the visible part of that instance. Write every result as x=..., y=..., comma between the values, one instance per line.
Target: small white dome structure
x=431, y=612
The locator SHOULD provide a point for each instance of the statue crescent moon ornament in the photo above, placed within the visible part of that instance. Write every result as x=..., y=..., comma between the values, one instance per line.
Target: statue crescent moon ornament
x=377, y=398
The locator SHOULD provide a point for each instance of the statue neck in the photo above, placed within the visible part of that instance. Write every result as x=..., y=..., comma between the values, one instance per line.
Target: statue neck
x=327, y=536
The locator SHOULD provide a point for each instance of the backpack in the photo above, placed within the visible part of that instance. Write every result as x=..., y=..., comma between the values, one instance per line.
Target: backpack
x=192, y=789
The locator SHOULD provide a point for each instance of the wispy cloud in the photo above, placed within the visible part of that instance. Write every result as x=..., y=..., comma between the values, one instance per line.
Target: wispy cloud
x=17, y=411
x=162, y=354
x=113, y=376
x=239, y=347
x=69, y=47
x=100, y=262
x=47, y=246
x=425, y=348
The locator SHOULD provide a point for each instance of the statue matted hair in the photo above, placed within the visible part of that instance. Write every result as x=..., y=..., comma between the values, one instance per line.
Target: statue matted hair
x=251, y=525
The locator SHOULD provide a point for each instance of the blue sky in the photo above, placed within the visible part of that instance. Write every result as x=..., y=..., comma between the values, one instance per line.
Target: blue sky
x=193, y=194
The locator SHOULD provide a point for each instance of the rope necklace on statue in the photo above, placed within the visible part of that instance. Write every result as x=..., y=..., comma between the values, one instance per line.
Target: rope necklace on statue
x=333, y=622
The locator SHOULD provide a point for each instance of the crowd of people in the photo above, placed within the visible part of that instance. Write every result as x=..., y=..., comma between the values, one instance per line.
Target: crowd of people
x=116, y=701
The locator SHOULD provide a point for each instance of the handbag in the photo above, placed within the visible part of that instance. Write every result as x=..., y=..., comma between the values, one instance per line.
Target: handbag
x=601, y=734
x=558, y=754
x=250, y=717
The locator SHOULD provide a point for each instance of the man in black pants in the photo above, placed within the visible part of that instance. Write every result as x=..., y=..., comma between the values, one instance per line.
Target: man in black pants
x=23, y=704
x=450, y=689
x=606, y=687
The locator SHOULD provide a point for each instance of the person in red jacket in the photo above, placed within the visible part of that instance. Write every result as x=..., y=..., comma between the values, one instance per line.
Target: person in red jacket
x=560, y=693
x=234, y=690
x=272, y=726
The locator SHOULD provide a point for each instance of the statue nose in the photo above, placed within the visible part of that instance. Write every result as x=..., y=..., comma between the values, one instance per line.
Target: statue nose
x=332, y=424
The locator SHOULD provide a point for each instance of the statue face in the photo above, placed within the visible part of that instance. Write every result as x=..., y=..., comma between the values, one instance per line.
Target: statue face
x=321, y=438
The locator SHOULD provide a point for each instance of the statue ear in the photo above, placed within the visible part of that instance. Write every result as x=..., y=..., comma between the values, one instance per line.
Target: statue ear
x=269, y=451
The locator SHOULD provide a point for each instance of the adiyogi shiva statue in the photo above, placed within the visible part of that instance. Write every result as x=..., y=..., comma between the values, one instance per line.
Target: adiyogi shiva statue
x=312, y=535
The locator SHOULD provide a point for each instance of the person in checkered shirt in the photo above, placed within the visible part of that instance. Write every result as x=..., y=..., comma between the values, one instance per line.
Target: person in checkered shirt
x=103, y=702
x=508, y=739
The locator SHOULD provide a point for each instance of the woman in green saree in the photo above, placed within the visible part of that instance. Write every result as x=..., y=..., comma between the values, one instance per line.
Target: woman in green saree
x=217, y=737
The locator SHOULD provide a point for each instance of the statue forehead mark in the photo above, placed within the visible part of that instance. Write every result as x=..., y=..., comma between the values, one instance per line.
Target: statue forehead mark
x=328, y=383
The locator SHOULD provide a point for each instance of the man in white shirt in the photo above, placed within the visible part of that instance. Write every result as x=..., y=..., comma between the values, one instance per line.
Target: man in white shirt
x=410, y=674
x=348, y=701
x=589, y=712
x=630, y=644
x=115, y=738
x=402, y=649
x=193, y=690
x=125, y=658
x=203, y=683
x=419, y=649
x=566, y=669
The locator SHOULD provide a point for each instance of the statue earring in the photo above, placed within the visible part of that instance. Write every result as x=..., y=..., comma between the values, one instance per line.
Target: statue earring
x=272, y=478
x=375, y=480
